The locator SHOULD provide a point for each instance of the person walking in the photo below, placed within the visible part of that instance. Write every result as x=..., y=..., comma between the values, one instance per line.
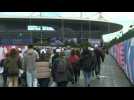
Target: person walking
x=100, y=58
x=43, y=73
x=73, y=60
x=86, y=65
x=4, y=73
x=13, y=64
x=43, y=70
x=30, y=58
x=78, y=65
x=60, y=70
x=93, y=62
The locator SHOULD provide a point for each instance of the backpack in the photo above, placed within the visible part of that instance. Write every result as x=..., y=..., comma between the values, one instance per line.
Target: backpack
x=86, y=62
x=60, y=65
x=12, y=64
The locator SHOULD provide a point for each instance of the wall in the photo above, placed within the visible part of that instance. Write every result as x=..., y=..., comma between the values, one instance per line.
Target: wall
x=124, y=55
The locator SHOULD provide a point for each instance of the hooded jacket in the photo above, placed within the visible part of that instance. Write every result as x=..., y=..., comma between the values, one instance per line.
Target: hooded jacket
x=30, y=58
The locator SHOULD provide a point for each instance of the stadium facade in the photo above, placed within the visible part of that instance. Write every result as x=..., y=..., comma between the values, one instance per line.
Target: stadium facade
x=24, y=30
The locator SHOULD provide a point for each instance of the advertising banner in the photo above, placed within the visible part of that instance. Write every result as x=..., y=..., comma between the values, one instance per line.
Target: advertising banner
x=15, y=39
x=124, y=54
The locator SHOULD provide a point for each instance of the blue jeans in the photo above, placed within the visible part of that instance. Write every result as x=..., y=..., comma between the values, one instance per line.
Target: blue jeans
x=87, y=76
x=31, y=76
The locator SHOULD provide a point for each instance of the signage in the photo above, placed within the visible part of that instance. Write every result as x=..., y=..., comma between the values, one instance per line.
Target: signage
x=124, y=55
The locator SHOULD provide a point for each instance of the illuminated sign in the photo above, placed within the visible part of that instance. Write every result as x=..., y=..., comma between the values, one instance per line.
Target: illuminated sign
x=39, y=28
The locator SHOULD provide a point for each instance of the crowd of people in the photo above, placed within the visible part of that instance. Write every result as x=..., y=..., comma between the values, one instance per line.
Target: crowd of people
x=65, y=65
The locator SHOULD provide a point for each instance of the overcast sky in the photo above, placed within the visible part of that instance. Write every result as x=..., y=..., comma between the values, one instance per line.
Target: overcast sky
x=124, y=18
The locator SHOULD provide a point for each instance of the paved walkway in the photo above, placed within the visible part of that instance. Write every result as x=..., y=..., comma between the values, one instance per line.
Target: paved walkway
x=111, y=76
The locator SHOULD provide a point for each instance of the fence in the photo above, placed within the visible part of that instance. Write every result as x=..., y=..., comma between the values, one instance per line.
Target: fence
x=124, y=54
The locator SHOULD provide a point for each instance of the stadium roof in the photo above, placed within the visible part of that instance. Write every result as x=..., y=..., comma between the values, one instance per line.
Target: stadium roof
x=101, y=26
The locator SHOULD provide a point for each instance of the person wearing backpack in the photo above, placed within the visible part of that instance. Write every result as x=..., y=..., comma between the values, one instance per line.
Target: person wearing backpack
x=60, y=70
x=13, y=64
x=86, y=65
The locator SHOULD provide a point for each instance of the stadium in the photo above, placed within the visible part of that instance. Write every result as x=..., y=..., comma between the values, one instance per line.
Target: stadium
x=25, y=30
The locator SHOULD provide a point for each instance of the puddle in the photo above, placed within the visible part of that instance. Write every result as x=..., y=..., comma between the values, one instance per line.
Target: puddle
x=104, y=77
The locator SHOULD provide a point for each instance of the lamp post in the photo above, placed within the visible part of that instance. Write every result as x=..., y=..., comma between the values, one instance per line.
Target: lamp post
x=81, y=15
x=62, y=28
x=30, y=24
x=41, y=29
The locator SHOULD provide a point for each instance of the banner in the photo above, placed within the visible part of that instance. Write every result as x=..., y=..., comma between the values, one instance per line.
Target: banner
x=15, y=39
x=124, y=55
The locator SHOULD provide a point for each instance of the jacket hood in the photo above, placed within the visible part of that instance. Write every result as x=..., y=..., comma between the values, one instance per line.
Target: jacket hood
x=30, y=52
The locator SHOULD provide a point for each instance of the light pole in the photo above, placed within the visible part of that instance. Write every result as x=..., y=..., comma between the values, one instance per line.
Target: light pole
x=62, y=29
x=30, y=24
x=81, y=15
x=41, y=29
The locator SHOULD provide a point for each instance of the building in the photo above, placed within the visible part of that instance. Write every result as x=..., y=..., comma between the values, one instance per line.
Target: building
x=24, y=30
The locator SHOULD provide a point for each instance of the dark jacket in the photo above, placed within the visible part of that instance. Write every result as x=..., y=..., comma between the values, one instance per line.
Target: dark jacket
x=3, y=65
x=94, y=60
x=12, y=65
x=99, y=55
x=86, y=60
x=60, y=76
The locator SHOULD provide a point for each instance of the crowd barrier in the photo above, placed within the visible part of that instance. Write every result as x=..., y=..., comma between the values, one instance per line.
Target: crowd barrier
x=124, y=55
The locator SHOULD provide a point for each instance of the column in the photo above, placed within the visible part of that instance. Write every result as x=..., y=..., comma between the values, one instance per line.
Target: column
x=62, y=29
x=81, y=33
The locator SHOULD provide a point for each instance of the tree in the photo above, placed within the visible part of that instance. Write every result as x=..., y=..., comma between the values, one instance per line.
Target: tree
x=124, y=37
